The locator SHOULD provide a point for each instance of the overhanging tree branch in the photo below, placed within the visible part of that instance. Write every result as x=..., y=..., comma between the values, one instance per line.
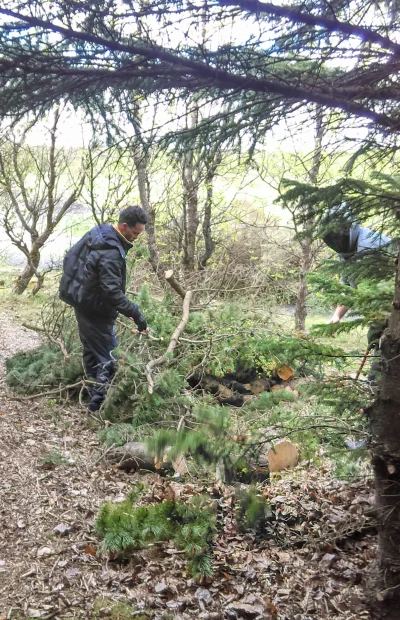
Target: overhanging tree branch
x=331, y=25
x=179, y=71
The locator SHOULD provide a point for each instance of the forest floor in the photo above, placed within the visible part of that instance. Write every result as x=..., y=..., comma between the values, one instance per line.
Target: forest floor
x=54, y=478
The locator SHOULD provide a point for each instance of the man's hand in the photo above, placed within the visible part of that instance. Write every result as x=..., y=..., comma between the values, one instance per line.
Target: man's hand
x=141, y=324
x=338, y=314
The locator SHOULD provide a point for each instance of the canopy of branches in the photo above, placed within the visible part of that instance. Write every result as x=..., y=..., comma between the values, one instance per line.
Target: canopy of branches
x=255, y=61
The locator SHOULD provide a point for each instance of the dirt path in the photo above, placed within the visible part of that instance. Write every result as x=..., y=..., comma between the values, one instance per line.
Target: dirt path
x=52, y=482
x=44, y=573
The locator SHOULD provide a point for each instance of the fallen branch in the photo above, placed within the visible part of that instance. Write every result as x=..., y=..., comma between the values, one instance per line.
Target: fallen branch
x=34, y=328
x=61, y=346
x=170, y=278
x=136, y=332
x=163, y=359
x=55, y=341
x=59, y=389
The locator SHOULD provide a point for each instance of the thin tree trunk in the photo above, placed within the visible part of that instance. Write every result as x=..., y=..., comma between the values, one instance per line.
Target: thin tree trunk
x=29, y=271
x=208, y=240
x=301, y=301
x=207, y=232
x=306, y=249
x=190, y=203
x=143, y=183
x=191, y=215
x=385, y=429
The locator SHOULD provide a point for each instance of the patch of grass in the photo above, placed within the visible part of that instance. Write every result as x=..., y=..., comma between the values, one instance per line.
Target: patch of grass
x=53, y=459
x=107, y=608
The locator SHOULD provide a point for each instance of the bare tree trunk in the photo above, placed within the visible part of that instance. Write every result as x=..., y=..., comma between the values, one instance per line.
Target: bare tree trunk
x=190, y=203
x=306, y=264
x=306, y=249
x=26, y=276
x=29, y=271
x=385, y=447
x=144, y=191
x=32, y=267
x=207, y=232
x=191, y=222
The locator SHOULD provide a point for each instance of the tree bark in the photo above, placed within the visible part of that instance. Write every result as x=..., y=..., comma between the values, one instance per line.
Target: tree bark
x=207, y=231
x=306, y=244
x=385, y=445
x=301, y=301
x=144, y=192
x=26, y=276
x=190, y=203
x=29, y=271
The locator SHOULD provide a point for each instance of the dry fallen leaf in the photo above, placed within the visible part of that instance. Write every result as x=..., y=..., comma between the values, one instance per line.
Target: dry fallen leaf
x=43, y=551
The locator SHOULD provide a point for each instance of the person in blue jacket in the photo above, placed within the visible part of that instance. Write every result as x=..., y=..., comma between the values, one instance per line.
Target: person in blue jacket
x=348, y=242
x=351, y=240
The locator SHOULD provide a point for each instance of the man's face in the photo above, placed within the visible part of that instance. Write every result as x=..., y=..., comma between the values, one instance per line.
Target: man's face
x=131, y=232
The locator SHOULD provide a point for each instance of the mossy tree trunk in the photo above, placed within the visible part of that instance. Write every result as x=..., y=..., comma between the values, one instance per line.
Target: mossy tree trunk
x=31, y=269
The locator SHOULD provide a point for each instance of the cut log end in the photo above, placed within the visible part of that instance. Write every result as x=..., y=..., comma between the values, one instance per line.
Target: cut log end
x=283, y=455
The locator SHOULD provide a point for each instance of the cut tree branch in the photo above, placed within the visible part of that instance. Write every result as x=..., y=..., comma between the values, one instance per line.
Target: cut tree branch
x=163, y=359
x=170, y=278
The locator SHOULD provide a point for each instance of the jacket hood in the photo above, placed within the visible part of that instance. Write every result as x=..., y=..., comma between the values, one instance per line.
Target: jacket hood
x=105, y=236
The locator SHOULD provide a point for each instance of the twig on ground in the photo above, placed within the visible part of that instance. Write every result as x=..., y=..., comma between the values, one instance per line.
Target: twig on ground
x=34, y=328
x=59, y=389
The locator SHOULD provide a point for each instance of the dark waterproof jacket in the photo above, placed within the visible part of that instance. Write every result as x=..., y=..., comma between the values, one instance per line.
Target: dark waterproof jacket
x=94, y=276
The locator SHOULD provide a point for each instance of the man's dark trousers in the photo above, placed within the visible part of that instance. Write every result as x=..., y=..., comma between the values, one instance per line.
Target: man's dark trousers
x=98, y=341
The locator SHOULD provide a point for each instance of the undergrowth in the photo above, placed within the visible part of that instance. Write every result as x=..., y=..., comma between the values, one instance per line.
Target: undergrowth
x=125, y=527
x=229, y=339
x=34, y=371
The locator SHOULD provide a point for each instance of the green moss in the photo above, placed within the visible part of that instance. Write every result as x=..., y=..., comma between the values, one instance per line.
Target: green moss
x=107, y=608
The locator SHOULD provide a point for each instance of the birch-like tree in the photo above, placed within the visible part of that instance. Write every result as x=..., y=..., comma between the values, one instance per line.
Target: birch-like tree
x=38, y=186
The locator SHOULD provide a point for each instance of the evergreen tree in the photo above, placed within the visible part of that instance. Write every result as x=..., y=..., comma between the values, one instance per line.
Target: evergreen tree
x=377, y=277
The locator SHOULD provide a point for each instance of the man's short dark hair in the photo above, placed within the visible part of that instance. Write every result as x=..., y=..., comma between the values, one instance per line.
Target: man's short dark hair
x=338, y=241
x=132, y=216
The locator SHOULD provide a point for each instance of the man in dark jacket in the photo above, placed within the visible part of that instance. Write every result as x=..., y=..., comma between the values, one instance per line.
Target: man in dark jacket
x=93, y=282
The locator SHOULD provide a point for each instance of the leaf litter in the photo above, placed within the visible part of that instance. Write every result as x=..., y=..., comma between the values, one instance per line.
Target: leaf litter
x=310, y=561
